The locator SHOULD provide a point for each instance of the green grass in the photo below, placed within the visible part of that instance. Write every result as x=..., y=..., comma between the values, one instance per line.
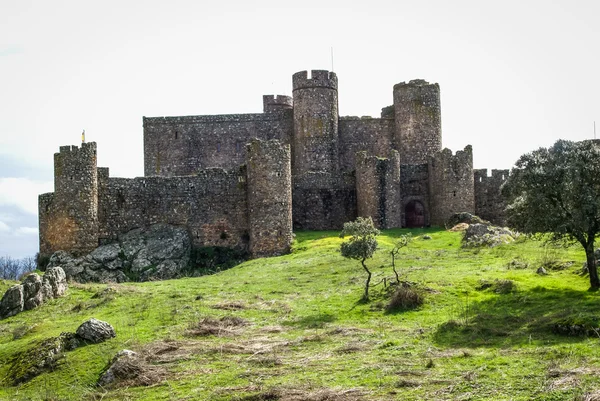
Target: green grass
x=475, y=337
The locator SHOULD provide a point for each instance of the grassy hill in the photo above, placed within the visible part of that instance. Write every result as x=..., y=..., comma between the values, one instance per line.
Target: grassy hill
x=294, y=328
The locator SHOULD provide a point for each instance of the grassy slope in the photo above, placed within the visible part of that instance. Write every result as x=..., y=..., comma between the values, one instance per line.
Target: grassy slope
x=308, y=330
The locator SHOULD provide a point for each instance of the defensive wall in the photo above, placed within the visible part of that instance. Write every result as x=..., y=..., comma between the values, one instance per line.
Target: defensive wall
x=244, y=180
x=219, y=207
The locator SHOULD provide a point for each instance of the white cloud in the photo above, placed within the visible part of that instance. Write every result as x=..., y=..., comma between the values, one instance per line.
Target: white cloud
x=22, y=193
x=23, y=231
x=4, y=228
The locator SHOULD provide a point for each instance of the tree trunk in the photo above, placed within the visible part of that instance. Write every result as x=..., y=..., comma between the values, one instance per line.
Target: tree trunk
x=591, y=264
x=366, y=296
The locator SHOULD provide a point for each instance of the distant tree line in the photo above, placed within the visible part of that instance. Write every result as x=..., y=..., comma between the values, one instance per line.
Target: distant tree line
x=13, y=269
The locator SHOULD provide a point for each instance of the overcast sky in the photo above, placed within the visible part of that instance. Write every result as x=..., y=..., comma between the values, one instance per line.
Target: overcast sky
x=514, y=75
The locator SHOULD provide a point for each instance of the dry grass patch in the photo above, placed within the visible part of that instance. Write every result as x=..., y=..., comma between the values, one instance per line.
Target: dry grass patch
x=225, y=326
x=305, y=395
x=231, y=305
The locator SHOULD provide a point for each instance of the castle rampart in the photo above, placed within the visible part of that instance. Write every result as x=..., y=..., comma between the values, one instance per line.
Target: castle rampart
x=451, y=184
x=378, y=189
x=489, y=203
x=303, y=161
x=418, y=121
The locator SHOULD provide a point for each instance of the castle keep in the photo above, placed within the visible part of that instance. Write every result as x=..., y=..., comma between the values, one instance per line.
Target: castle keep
x=244, y=180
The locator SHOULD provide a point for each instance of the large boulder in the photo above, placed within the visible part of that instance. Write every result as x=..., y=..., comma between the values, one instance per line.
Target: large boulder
x=95, y=331
x=486, y=235
x=158, y=252
x=464, y=217
x=33, y=291
x=12, y=302
x=125, y=365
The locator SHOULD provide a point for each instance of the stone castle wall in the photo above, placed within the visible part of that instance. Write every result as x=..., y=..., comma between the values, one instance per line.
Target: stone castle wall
x=451, y=184
x=213, y=204
x=305, y=167
x=489, y=203
x=69, y=217
x=175, y=146
x=378, y=189
x=418, y=119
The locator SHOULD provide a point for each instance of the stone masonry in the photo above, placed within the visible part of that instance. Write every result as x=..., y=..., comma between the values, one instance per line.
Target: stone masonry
x=244, y=180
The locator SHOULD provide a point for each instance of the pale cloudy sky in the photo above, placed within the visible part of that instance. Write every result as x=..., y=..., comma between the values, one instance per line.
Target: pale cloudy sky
x=514, y=75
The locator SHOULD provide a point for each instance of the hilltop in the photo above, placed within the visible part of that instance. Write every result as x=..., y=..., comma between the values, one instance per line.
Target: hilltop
x=293, y=327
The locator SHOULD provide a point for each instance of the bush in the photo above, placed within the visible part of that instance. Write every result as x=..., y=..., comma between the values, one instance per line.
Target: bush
x=405, y=298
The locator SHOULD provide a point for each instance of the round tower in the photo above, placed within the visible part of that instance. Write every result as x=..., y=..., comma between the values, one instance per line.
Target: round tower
x=269, y=187
x=315, y=141
x=417, y=113
x=73, y=225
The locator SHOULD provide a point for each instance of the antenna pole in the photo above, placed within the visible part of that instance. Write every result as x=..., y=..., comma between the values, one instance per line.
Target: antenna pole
x=594, y=129
x=331, y=58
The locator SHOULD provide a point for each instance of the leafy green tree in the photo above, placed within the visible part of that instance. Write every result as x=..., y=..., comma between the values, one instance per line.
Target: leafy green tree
x=361, y=245
x=557, y=191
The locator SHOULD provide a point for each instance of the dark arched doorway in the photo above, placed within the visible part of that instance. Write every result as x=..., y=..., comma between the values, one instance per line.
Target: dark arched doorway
x=415, y=214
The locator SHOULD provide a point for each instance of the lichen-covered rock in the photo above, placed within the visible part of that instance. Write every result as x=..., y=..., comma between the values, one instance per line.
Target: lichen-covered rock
x=122, y=367
x=54, y=282
x=12, y=301
x=33, y=291
x=464, y=217
x=33, y=296
x=478, y=234
x=158, y=252
x=41, y=357
x=95, y=331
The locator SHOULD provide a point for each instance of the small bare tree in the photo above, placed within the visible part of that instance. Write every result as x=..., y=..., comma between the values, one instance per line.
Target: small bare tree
x=361, y=245
x=402, y=242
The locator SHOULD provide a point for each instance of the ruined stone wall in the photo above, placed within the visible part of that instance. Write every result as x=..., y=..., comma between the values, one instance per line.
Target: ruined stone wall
x=373, y=135
x=176, y=146
x=418, y=134
x=69, y=218
x=451, y=185
x=489, y=203
x=269, y=197
x=378, y=189
x=414, y=189
x=211, y=204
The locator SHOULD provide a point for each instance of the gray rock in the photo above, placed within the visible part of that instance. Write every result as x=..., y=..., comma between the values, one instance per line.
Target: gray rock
x=95, y=331
x=33, y=296
x=117, y=370
x=12, y=302
x=541, y=271
x=54, y=282
x=33, y=291
x=158, y=252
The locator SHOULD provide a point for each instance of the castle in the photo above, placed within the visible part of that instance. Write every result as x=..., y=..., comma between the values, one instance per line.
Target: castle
x=245, y=180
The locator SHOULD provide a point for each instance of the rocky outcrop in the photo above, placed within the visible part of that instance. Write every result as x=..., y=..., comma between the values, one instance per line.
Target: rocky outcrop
x=95, y=331
x=33, y=291
x=45, y=355
x=479, y=234
x=158, y=252
x=124, y=365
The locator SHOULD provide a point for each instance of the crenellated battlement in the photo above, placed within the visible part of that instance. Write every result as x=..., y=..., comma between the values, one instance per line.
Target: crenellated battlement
x=272, y=103
x=318, y=79
x=243, y=180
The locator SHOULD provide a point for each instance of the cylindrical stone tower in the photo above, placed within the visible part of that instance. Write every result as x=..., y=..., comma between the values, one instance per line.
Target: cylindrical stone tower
x=315, y=142
x=418, y=133
x=73, y=224
x=269, y=197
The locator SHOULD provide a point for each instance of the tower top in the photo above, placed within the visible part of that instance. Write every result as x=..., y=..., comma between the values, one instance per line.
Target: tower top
x=318, y=79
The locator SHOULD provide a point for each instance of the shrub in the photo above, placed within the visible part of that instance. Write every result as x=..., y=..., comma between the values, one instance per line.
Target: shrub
x=405, y=298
